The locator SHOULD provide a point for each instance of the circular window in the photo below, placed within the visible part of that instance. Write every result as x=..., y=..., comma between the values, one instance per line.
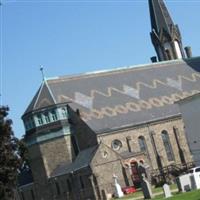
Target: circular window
x=116, y=144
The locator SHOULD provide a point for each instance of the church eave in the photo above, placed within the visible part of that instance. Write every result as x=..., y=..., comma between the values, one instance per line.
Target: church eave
x=38, y=110
x=136, y=126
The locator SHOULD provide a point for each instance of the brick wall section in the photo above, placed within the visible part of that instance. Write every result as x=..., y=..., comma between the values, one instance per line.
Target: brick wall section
x=84, y=135
x=37, y=164
x=55, y=152
x=78, y=191
x=44, y=158
x=157, y=127
x=168, y=126
x=26, y=192
x=105, y=167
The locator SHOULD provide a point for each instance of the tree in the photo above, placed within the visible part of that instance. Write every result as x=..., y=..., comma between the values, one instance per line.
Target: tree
x=12, y=153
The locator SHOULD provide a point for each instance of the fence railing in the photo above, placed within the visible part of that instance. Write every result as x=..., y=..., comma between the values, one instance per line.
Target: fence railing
x=171, y=170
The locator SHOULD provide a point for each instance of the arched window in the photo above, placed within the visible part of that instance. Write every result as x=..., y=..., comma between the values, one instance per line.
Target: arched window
x=167, y=145
x=64, y=113
x=46, y=117
x=29, y=123
x=39, y=119
x=81, y=182
x=54, y=115
x=69, y=185
x=57, y=188
x=178, y=50
x=142, y=143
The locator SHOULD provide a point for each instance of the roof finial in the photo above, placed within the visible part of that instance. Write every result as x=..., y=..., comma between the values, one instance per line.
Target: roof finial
x=42, y=71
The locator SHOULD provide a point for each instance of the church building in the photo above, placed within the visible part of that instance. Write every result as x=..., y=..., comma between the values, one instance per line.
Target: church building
x=83, y=130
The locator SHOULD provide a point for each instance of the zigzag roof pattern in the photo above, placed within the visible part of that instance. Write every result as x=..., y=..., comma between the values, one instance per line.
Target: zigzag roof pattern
x=124, y=97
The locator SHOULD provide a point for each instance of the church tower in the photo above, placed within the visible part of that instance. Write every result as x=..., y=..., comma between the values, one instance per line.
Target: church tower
x=165, y=35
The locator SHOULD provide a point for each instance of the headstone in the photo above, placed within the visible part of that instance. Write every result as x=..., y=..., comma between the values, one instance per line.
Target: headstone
x=196, y=175
x=184, y=183
x=193, y=182
x=146, y=188
x=167, y=191
x=118, y=189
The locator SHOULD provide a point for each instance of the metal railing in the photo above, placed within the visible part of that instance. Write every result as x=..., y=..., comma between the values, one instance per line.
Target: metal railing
x=173, y=170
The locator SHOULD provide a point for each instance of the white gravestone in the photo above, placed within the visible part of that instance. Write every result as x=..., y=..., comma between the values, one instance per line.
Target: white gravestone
x=184, y=183
x=167, y=191
x=118, y=190
x=197, y=179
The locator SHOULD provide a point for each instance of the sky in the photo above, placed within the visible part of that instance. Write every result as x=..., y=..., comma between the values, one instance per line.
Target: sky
x=73, y=37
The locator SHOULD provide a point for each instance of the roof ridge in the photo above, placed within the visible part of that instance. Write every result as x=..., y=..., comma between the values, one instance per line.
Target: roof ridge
x=118, y=70
x=42, y=85
x=50, y=91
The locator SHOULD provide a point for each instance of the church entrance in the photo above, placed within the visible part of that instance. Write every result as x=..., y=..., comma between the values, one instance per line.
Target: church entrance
x=135, y=174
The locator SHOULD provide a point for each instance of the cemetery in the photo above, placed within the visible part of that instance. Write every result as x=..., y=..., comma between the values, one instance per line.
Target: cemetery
x=159, y=195
x=186, y=186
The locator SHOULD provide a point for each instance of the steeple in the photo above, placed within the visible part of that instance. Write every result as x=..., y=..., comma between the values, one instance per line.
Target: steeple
x=165, y=35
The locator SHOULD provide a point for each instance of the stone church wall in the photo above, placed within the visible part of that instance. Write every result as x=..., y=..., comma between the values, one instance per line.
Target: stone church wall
x=157, y=127
x=83, y=134
x=56, y=151
x=44, y=158
x=73, y=186
x=26, y=192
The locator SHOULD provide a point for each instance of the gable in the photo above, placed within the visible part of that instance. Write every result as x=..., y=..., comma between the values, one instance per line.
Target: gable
x=43, y=98
x=103, y=155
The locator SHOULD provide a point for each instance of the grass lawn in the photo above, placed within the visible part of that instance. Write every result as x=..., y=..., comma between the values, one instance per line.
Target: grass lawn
x=194, y=195
x=140, y=193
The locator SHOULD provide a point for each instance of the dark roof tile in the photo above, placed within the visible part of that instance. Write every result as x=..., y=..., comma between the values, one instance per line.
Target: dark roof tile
x=128, y=96
x=82, y=160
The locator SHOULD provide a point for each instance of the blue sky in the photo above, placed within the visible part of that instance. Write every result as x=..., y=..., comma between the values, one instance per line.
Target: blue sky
x=71, y=37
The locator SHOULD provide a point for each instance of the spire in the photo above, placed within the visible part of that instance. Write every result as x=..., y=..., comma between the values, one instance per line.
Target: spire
x=165, y=35
x=160, y=18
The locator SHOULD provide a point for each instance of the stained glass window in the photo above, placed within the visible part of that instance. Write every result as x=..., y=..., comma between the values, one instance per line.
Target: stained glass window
x=167, y=145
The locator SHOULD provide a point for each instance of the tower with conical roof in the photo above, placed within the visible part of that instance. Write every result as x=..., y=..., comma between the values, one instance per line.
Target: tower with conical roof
x=165, y=35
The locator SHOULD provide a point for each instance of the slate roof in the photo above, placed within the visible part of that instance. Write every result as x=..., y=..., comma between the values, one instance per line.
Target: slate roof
x=124, y=97
x=189, y=98
x=82, y=160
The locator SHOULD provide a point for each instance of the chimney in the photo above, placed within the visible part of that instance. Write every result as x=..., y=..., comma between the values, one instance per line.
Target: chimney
x=188, y=51
x=154, y=59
